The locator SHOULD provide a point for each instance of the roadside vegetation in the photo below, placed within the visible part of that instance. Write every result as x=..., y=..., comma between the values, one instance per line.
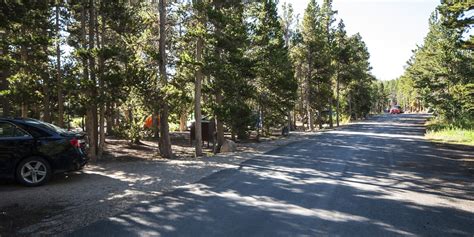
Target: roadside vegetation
x=439, y=77
x=441, y=131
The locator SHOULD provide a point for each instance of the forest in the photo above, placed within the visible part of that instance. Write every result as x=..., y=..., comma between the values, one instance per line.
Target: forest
x=107, y=66
x=439, y=77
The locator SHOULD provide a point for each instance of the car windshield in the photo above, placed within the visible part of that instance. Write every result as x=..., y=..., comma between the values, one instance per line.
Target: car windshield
x=47, y=126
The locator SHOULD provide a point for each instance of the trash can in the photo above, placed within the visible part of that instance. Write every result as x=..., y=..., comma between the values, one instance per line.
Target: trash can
x=208, y=132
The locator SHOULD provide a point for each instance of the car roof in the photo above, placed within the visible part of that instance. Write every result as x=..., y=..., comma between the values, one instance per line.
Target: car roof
x=7, y=119
x=16, y=119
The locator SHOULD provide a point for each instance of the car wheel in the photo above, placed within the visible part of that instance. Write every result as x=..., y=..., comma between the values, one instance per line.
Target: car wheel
x=33, y=171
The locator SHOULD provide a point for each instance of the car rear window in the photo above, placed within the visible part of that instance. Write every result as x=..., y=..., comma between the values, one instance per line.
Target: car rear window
x=37, y=132
x=43, y=129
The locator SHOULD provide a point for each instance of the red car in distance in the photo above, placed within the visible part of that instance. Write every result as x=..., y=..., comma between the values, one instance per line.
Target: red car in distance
x=396, y=110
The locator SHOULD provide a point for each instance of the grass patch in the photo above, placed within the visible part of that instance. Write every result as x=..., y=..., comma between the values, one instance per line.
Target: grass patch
x=345, y=119
x=442, y=131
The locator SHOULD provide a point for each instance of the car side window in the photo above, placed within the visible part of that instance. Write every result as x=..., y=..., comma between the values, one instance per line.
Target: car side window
x=10, y=130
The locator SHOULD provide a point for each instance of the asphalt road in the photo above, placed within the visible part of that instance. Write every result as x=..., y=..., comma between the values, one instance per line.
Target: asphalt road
x=374, y=178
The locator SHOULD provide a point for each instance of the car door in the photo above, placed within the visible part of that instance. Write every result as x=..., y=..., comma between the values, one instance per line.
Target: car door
x=15, y=143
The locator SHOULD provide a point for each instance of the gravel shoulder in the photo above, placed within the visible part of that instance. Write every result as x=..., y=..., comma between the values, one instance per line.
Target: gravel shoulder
x=77, y=199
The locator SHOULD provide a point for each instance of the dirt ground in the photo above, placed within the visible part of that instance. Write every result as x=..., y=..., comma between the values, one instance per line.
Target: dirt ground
x=119, y=149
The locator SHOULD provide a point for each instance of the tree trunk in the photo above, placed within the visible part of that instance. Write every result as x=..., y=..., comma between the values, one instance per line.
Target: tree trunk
x=183, y=118
x=287, y=45
x=46, y=100
x=165, y=141
x=328, y=33
x=35, y=111
x=155, y=124
x=24, y=59
x=308, y=92
x=331, y=125
x=101, y=40
x=24, y=110
x=319, y=106
x=262, y=120
x=91, y=129
x=337, y=100
x=219, y=97
x=5, y=102
x=294, y=120
x=350, y=107
x=299, y=75
x=116, y=115
x=46, y=86
x=197, y=88
x=60, y=118
x=101, y=131
x=91, y=108
x=310, y=119
x=289, y=121
x=219, y=124
x=109, y=118
x=92, y=30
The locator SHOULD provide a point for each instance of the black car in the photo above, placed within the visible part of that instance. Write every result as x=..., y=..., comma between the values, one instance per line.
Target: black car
x=32, y=150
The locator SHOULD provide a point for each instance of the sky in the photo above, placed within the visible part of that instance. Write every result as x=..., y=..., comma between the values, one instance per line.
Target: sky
x=391, y=29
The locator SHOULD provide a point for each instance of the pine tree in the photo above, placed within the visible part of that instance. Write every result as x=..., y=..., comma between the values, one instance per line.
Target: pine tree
x=311, y=25
x=165, y=142
x=317, y=37
x=442, y=72
x=199, y=78
x=298, y=57
x=60, y=97
x=342, y=59
x=358, y=89
x=25, y=54
x=228, y=69
x=328, y=17
x=457, y=14
x=275, y=83
x=287, y=21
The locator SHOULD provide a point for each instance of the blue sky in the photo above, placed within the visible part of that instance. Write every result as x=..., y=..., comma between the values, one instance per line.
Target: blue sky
x=390, y=28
